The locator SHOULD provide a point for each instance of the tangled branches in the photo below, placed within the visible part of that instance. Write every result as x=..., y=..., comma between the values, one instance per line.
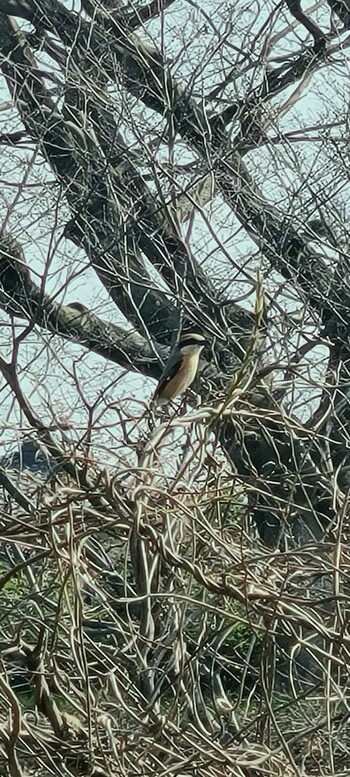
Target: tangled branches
x=145, y=627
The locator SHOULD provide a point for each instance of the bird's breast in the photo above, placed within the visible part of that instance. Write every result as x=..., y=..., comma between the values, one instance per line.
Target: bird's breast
x=183, y=378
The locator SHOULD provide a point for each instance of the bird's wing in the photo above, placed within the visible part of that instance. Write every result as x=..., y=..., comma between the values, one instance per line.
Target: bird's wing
x=171, y=368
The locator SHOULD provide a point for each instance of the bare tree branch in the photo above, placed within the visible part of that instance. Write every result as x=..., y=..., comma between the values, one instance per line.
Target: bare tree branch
x=130, y=15
x=317, y=34
x=173, y=585
x=163, y=246
x=19, y=296
x=144, y=74
x=342, y=9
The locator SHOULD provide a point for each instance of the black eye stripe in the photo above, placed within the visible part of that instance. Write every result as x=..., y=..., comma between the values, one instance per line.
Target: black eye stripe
x=191, y=341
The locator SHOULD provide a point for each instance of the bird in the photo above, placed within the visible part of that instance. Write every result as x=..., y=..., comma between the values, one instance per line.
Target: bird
x=180, y=369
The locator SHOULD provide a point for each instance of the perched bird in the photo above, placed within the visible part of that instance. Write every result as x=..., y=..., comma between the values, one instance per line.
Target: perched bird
x=180, y=369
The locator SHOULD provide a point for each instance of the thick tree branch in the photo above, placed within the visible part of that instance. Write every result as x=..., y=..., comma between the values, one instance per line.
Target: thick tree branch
x=275, y=80
x=129, y=15
x=284, y=247
x=98, y=223
x=19, y=296
x=146, y=77
x=22, y=298
x=13, y=138
x=317, y=34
